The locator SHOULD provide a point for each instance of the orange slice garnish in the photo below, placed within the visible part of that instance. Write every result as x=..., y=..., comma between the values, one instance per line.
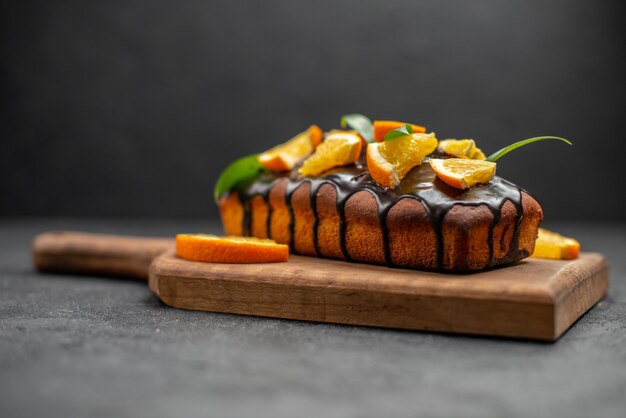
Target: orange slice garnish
x=389, y=161
x=461, y=173
x=381, y=127
x=285, y=156
x=339, y=148
x=215, y=249
x=461, y=148
x=552, y=245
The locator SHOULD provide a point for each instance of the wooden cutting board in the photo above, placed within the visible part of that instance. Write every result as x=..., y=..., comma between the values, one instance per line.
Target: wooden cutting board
x=535, y=299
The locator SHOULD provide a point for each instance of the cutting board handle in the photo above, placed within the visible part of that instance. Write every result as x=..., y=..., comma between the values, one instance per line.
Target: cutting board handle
x=97, y=254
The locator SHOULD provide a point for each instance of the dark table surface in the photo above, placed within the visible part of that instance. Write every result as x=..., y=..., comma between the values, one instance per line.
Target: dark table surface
x=90, y=346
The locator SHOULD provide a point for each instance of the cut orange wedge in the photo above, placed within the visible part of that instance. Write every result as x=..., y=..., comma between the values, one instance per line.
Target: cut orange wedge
x=552, y=245
x=381, y=127
x=339, y=148
x=389, y=161
x=461, y=148
x=230, y=249
x=285, y=156
x=462, y=173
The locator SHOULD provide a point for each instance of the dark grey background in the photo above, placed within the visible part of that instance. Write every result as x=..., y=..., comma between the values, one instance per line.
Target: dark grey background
x=132, y=108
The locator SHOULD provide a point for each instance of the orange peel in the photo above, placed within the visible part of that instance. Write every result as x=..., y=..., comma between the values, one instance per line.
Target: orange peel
x=382, y=127
x=230, y=249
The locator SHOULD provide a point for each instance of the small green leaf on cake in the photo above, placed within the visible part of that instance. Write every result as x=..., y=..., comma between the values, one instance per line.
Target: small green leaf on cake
x=502, y=152
x=240, y=170
x=401, y=131
x=360, y=123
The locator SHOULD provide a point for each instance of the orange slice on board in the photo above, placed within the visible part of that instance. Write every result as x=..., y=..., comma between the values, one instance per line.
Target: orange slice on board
x=230, y=249
x=462, y=173
x=285, y=156
x=339, y=148
x=461, y=148
x=552, y=245
x=381, y=127
x=389, y=161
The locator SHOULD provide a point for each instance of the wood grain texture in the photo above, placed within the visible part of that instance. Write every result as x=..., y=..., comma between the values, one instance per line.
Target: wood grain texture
x=537, y=299
x=97, y=254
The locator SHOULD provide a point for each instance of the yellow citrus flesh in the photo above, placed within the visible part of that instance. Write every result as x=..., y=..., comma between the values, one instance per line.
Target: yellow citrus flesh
x=389, y=161
x=215, y=249
x=552, y=245
x=463, y=173
x=285, y=156
x=477, y=154
x=339, y=148
x=461, y=148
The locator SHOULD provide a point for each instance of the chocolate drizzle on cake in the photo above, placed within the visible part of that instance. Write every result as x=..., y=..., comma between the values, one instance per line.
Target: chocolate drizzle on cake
x=420, y=184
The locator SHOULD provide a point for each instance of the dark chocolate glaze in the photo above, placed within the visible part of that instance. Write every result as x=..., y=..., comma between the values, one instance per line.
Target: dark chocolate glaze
x=421, y=184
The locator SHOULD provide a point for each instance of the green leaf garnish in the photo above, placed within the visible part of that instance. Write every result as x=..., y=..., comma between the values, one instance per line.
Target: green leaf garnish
x=401, y=131
x=360, y=123
x=502, y=152
x=239, y=170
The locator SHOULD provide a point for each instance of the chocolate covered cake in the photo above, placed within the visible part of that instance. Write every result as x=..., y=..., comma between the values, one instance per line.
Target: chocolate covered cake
x=423, y=223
